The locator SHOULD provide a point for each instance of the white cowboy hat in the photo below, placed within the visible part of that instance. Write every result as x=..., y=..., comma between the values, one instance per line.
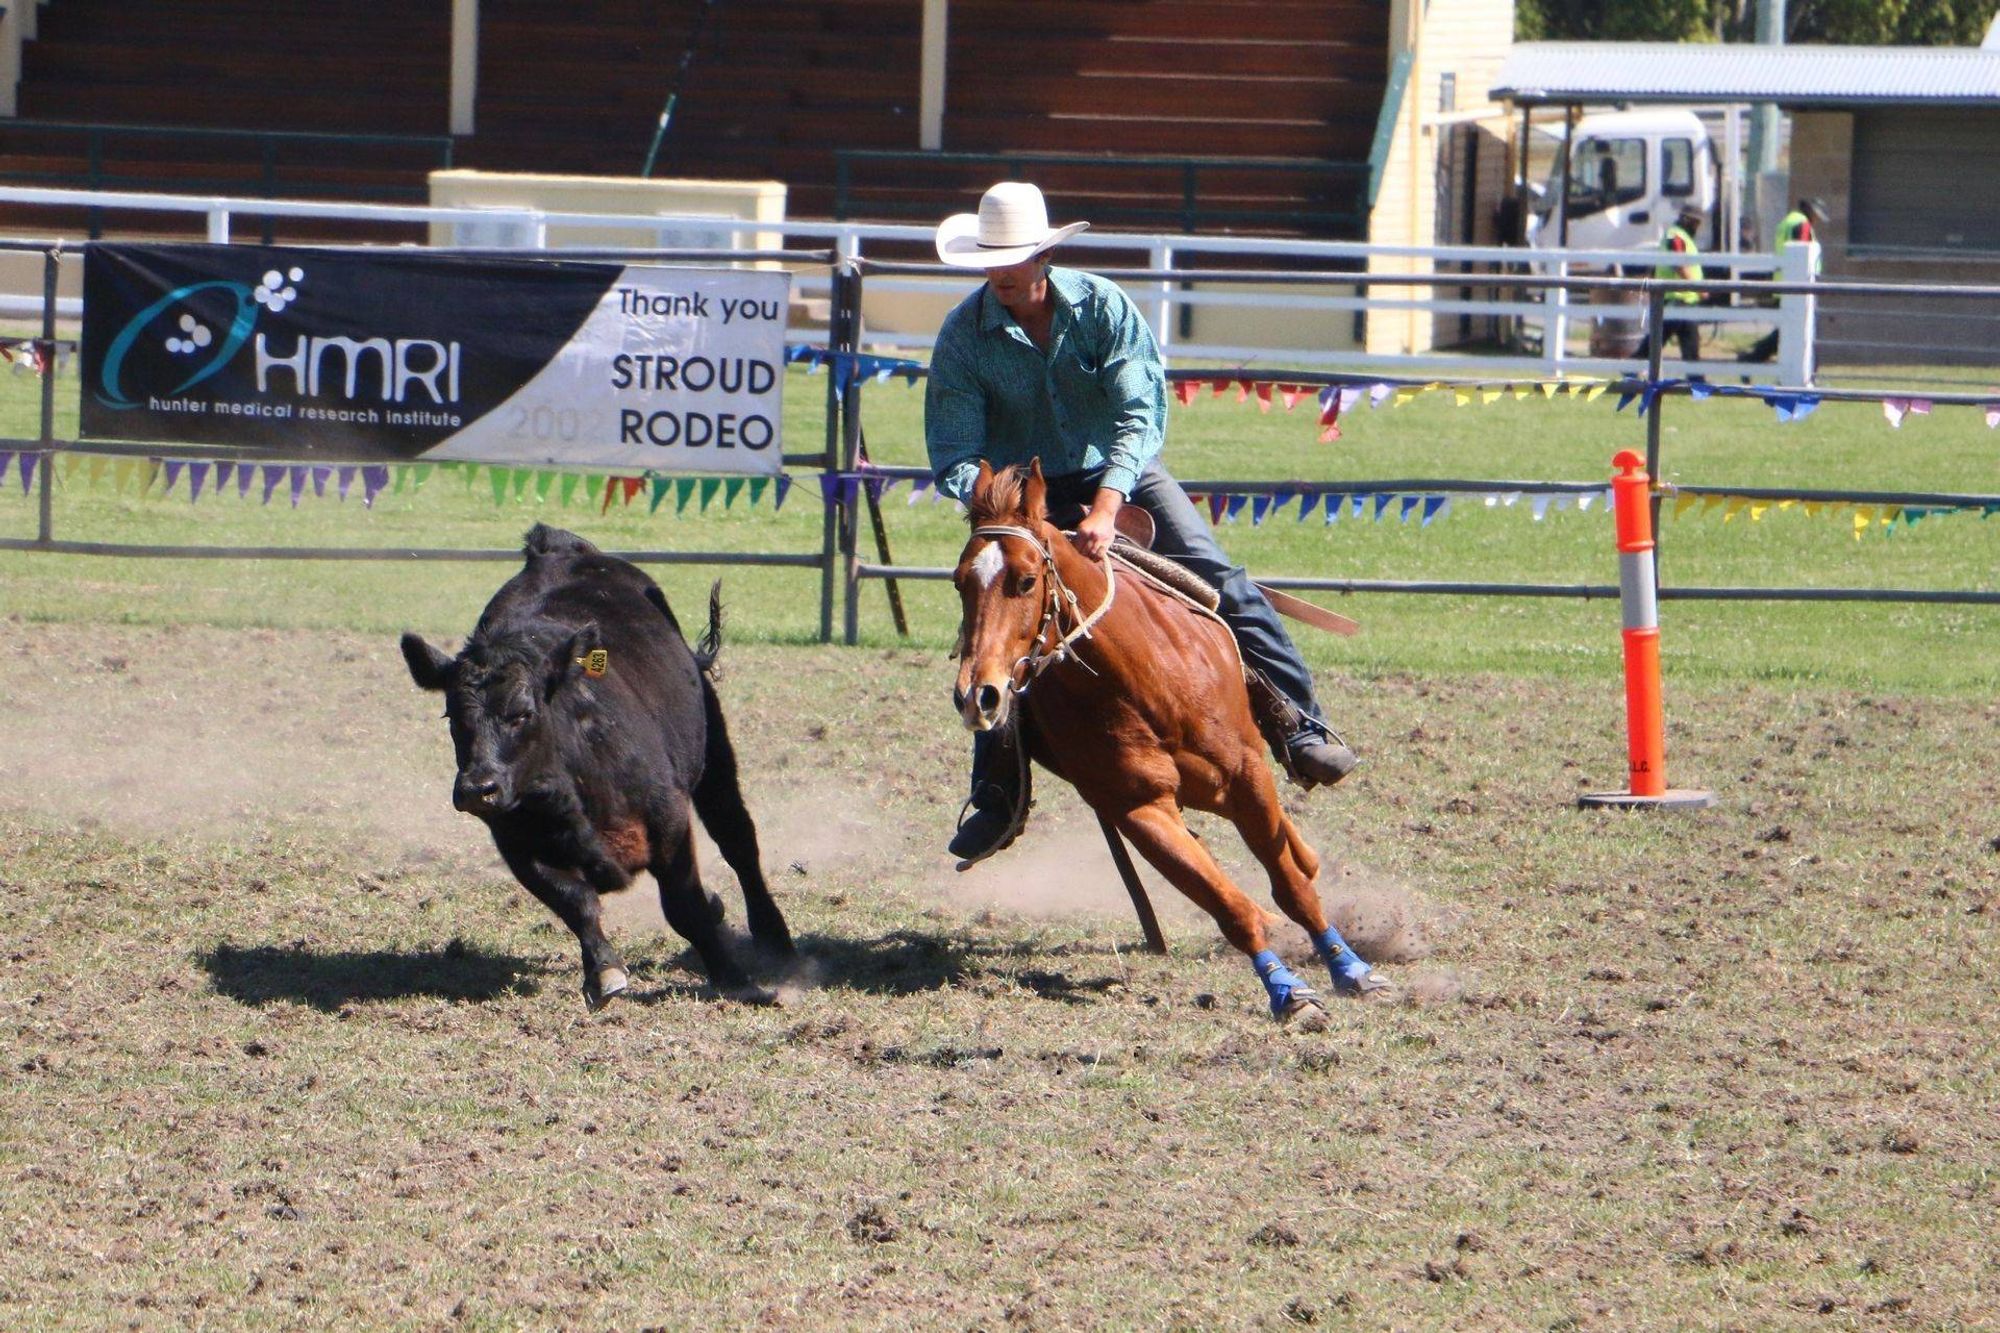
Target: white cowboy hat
x=1012, y=224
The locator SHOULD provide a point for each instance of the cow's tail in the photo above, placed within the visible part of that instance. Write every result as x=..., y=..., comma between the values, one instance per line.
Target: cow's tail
x=709, y=648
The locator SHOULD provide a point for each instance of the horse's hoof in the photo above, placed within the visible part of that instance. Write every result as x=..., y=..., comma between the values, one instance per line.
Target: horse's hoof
x=1304, y=1013
x=1370, y=985
x=610, y=983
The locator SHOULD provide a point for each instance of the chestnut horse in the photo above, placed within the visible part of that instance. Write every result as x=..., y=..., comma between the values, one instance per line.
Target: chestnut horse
x=1137, y=699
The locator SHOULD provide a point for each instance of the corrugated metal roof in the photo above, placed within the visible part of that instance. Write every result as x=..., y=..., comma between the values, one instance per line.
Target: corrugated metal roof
x=1593, y=72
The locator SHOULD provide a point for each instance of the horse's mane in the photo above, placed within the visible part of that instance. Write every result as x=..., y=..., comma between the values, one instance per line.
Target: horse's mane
x=998, y=499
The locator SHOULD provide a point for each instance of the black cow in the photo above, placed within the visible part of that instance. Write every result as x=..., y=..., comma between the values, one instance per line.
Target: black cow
x=588, y=734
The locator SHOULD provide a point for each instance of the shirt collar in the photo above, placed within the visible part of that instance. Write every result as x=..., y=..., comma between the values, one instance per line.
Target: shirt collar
x=1067, y=284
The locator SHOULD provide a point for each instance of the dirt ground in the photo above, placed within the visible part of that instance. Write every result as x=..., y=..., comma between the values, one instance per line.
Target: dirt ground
x=281, y=1042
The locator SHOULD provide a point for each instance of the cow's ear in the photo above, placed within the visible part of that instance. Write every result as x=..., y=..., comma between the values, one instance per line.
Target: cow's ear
x=571, y=658
x=1035, y=495
x=430, y=668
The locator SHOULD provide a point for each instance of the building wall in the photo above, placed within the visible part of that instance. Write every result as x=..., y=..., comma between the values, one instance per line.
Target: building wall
x=1466, y=40
x=1884, y=330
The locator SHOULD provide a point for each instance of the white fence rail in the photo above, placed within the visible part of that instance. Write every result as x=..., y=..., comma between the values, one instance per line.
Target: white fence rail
x=1556, y=317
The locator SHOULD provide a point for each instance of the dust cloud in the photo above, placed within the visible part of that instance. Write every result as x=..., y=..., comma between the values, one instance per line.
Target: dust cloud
x=169, y=731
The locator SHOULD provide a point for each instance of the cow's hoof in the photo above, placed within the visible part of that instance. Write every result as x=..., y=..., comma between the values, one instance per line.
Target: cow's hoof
x=749, y=993
x=1304, y=1013
x=608, y=986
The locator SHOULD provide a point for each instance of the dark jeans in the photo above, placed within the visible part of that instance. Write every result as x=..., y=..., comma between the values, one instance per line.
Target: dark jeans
x=1686, y=332
x=1181, y=532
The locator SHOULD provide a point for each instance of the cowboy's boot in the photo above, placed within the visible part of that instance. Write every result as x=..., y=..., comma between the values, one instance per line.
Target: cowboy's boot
x=1317, y=757
x=992, y=818
x=1309, y=750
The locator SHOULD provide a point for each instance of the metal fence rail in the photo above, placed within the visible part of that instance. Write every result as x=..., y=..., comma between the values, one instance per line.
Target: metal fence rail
x=843, y=571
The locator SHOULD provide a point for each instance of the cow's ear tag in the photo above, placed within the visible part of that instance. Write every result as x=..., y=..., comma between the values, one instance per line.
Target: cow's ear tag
x=595, y=662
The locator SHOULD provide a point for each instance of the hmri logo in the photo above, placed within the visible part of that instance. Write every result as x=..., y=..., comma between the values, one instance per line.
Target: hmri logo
x=392, y=370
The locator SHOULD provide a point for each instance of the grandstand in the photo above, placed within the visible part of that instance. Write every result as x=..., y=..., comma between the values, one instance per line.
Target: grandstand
x=773, y=89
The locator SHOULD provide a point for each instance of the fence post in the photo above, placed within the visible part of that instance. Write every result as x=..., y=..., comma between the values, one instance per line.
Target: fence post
x=1796, y=314
x=839, y=320
x=1163, y=321
x=1656, y=335
x=850, y=455
x=51, y=272
x=1555, y=329
x=1645, y=723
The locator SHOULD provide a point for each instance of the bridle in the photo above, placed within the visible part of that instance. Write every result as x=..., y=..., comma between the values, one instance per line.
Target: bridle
x=1043, y=654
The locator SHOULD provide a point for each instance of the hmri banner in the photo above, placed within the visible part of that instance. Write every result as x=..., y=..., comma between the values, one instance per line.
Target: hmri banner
x=351, y=356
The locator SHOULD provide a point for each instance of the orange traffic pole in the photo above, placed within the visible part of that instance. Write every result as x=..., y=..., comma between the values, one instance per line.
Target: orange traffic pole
x=1645, y=717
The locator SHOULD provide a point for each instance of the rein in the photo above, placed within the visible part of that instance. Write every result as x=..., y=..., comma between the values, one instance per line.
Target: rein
x=1044, y=655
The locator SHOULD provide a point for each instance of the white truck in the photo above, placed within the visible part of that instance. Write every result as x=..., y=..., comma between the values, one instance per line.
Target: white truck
x=1630, y=174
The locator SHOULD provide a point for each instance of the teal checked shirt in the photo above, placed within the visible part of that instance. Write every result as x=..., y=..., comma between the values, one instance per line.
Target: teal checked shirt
x=1097, y=399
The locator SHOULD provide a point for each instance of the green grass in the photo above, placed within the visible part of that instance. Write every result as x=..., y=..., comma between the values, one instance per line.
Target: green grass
x=1715, y=443
x=284, y=1046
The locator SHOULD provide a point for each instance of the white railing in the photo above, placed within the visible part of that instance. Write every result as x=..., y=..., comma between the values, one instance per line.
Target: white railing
x=1556, y=315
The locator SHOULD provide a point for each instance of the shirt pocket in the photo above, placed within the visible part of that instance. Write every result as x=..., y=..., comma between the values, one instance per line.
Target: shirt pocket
x=1078, y=367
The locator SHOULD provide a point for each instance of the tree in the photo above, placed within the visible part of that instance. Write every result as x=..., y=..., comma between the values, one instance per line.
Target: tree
x=1834, y=22
x=1626, y=21
x=1889, y=22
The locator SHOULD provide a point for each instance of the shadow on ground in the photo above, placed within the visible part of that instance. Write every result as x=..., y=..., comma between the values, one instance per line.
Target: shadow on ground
x=903, y=962
x=262, y=974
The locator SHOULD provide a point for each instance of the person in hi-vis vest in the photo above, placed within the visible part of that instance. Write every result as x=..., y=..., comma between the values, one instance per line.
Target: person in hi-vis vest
x=1685, y=264
x=1801, y=224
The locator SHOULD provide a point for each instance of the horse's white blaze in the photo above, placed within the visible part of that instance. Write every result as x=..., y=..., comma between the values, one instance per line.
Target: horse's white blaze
x=986, y=566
